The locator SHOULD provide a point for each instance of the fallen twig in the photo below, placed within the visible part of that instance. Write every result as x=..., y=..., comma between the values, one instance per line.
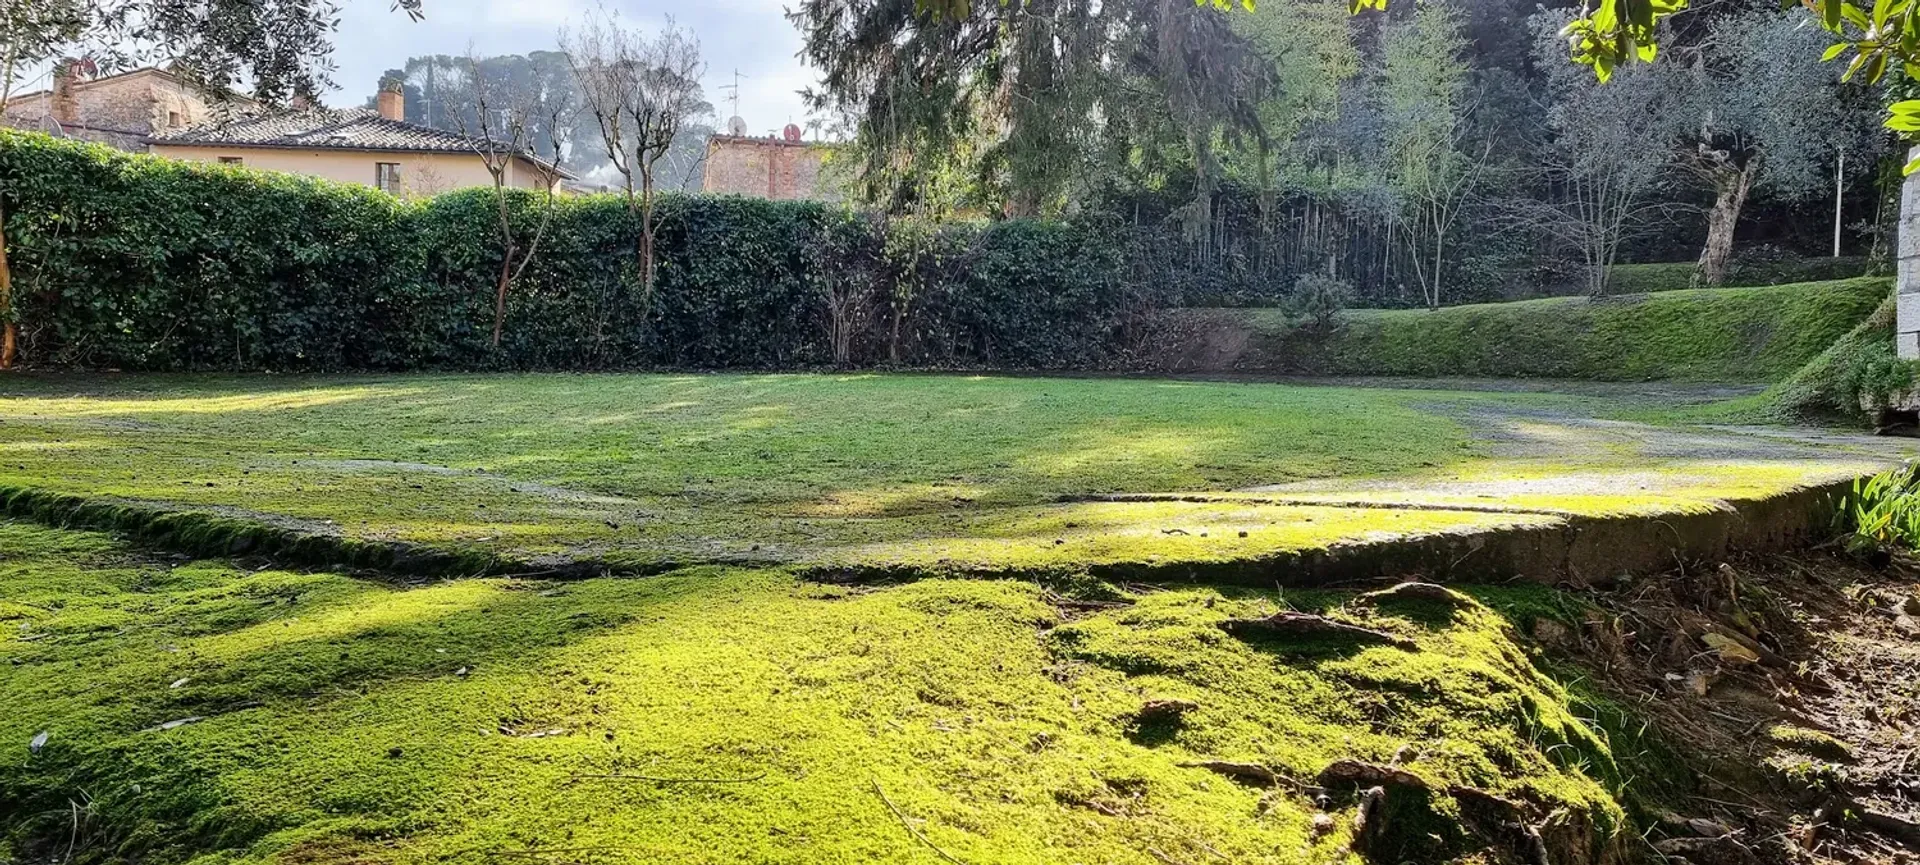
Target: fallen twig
x=657, y=779
x=911, y=829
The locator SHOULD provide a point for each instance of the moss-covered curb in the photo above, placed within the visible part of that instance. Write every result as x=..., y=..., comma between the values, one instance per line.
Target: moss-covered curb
x=199, y=533
x=1723, y=334
x=1493, y=544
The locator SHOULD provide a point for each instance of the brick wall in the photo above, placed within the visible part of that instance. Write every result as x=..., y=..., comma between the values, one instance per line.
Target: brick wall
x=764, y=168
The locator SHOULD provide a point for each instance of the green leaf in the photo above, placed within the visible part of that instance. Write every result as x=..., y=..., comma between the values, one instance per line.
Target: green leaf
x=1834, y=50
x=1830, y=14
x=1911, y=167
x=1858, y=61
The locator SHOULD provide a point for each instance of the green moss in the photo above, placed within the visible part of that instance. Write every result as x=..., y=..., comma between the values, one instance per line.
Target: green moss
x=1809, y=742
x=346, y=720
x=1726, y=334
x=645, y=472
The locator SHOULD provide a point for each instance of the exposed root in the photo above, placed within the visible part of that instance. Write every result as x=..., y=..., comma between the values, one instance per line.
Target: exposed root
x=1289, y=624
x=1415, y=590
x=1249, y=772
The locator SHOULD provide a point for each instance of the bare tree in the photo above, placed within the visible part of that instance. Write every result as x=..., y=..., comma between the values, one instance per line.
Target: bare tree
x=641, y=90
x=1603, y=173
x=1433, y=167
x=506, y=122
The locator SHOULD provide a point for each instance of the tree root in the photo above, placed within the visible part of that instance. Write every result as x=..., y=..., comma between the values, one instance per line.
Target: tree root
x=1252, y=772
x=1291, y=624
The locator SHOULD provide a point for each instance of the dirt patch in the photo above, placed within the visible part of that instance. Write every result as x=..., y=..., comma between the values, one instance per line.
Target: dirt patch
x=1790, y=686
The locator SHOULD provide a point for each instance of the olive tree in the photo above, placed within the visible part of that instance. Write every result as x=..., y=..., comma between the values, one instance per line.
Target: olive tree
x=1766, y=118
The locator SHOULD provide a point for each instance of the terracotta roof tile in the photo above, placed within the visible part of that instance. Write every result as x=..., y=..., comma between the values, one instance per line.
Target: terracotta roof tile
x=350, y=129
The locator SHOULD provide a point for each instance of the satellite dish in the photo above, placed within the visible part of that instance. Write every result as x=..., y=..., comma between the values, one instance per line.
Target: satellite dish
x=736, y=126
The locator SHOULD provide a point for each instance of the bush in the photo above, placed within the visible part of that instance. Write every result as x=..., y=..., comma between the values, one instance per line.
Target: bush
x=1317, y=299
x=139, y=262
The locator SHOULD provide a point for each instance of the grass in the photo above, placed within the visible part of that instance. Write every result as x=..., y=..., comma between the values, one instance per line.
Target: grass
x=344, y=720
x=1845, y=384
x=647, y=473
x=663, y=469
x=1722, y=334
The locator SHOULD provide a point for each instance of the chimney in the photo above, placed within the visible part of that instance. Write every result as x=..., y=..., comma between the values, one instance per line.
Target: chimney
x=66, y=106
x=392, y=103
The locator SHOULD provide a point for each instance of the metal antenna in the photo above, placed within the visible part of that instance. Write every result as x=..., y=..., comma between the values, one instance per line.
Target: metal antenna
x=734, y=91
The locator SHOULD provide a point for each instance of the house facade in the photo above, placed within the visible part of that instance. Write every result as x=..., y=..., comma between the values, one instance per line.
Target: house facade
x=121, y=110
x=356, y=145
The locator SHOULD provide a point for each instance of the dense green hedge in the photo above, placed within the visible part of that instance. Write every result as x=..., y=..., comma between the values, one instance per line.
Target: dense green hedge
x=1754, y=268
x=137, y=262
x=1721, y=334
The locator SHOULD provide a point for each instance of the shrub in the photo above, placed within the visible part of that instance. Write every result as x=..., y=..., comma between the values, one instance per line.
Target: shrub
x=144, y=263
x=1317, y=299
x=1882, y=512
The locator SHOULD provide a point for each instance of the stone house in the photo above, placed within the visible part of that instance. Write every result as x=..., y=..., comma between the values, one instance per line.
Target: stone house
x=120, y=110
x=356, y=145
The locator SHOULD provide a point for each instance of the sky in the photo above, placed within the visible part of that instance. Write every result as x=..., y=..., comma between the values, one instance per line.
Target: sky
x=752, y=36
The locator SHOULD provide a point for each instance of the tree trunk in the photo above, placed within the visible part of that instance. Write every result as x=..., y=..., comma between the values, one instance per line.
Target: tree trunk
x=500, y=294
x=646, y=236
x=1730, y=195
x=1839, y=193
x=10, y=338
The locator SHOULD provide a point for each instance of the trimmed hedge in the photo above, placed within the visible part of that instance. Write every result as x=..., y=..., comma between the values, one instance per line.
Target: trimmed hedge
x=136, y=262
x=1752, y=269
x=1721, y=334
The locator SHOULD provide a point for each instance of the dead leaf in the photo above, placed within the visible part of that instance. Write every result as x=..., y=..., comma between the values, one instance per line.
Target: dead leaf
x=1729, y=648
x=177, y=722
